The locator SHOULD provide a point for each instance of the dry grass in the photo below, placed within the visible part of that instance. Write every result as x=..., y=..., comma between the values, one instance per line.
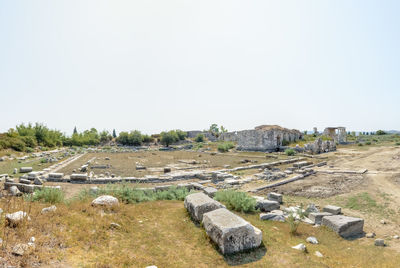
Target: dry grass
x=124, y=164
x=161, y=233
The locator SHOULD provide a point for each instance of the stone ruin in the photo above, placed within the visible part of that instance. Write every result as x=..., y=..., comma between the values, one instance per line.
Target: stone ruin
x=262, y=138
x=338, y=134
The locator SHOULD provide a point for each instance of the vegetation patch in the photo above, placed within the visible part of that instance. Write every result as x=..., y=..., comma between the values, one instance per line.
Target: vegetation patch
x=238, y=201
x=225, y=146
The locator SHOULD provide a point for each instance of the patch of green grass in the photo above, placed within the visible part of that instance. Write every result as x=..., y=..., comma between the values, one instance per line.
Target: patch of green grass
x=130, y=195
x=47, y=195
x=238, y=201
x=362, y=202
x=225, y=146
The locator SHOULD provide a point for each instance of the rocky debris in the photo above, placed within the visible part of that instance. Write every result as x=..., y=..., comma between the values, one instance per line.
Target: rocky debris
x=14, y=191
x=105, y=200
x=320, y=146
x=383, y=222
x=210, y=191
x=332, y=209
x=20, y=249
x=300, y=247
x=275, y=215
x=230, y=232
x=316, y=218
x=140, y=167
x=15, y=171
x=275, y=197
x=370, y=235
x=396, y=237
x=84, y=168
x=167, y=169
x=9, y=180
x=312, y=240
x=269, y=175
x=106, y=158
x=311, y=208
x=197, y=204
x=25, y=169
x=379, y=243
x=38, y=181
x=217, y=176
x=49, y=209
x=14, y=219
x=197, y=186
x=267, y=205
x=318, y=254
x=343, y=225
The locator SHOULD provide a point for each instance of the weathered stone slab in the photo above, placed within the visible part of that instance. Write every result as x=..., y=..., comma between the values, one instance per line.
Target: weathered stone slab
x=332, y=209
x=56, y=175
x=267, y=205
x=230, y=232
x=24, y=181
x=316, y=217
x=78, y=177
x=199, y=203
x=25, y=169
x=210, y=191
x=343, y=225
x=275, y=215
x=275, y=197
x=105, y=200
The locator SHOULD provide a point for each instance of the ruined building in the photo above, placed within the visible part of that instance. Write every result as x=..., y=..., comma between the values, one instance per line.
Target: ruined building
x=262, y=138
x=338, y=134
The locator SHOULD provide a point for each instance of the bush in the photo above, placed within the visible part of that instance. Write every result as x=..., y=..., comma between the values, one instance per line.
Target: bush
x=47, y=195
x=290, y=152
x=168, y=138
x=225, y=147
x=294, y=219
x=368, y=143
x=17, y=145
x=147, y=139
x=29, y=150
x=199, y=138
x=360, y=144
x=238, y=201
x=181, y=134
x=380, y=132
x=127, y=194
x=397, y=143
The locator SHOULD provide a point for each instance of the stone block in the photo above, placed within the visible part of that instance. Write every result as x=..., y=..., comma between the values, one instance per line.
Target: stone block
x=343, y=225
x=230, y=232
x=316, y=217
x=267, y=205
x=275, y=197
x=210, y=191
x=332, y=209
x=25, y=169
x=199, y=203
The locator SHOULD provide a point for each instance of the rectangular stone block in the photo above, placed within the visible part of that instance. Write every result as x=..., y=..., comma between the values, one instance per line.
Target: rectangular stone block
x=56, y=175
x=199, y=203
x=332, y=209
x=343, y=225
x=267, y=205
x=230, y=232
x=25, y=169
x=275, y=197
x=316, y=217
x=78, y=177
x=210, y=191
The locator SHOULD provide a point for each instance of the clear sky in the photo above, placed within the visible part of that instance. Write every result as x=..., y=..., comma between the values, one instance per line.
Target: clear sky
x=166, y=64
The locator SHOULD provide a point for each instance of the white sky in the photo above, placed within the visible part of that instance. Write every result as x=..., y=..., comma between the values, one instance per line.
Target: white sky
x=159, y=65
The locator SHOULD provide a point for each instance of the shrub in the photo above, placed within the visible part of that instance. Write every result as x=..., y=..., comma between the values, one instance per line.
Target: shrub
x=167, y=138
x=199, y=138
x=238, y=201
x=29, y=150
x=127, y=194
x=17, y=145
x=360, y=144
x=368, y=143
x=290, y=152
x=294, y=219
x=47, y=195
x=225, y=146
x=181, y=134
x=380, y=132
x=397, y=143
x=147, y=139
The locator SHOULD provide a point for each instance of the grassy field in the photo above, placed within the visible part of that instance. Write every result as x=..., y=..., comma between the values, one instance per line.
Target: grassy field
x=161, y=233
x=8, y=166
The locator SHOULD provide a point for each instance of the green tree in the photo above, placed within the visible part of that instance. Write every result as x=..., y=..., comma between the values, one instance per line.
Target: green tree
x=75, y=131
x=114, y=134
x=167, y=138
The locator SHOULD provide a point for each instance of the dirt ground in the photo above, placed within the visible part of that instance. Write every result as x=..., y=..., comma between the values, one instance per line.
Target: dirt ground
x=124, y=164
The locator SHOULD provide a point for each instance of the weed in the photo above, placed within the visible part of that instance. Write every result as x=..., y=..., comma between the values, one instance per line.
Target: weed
x=290, y=152
x=238, y=201
x=46, y=195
